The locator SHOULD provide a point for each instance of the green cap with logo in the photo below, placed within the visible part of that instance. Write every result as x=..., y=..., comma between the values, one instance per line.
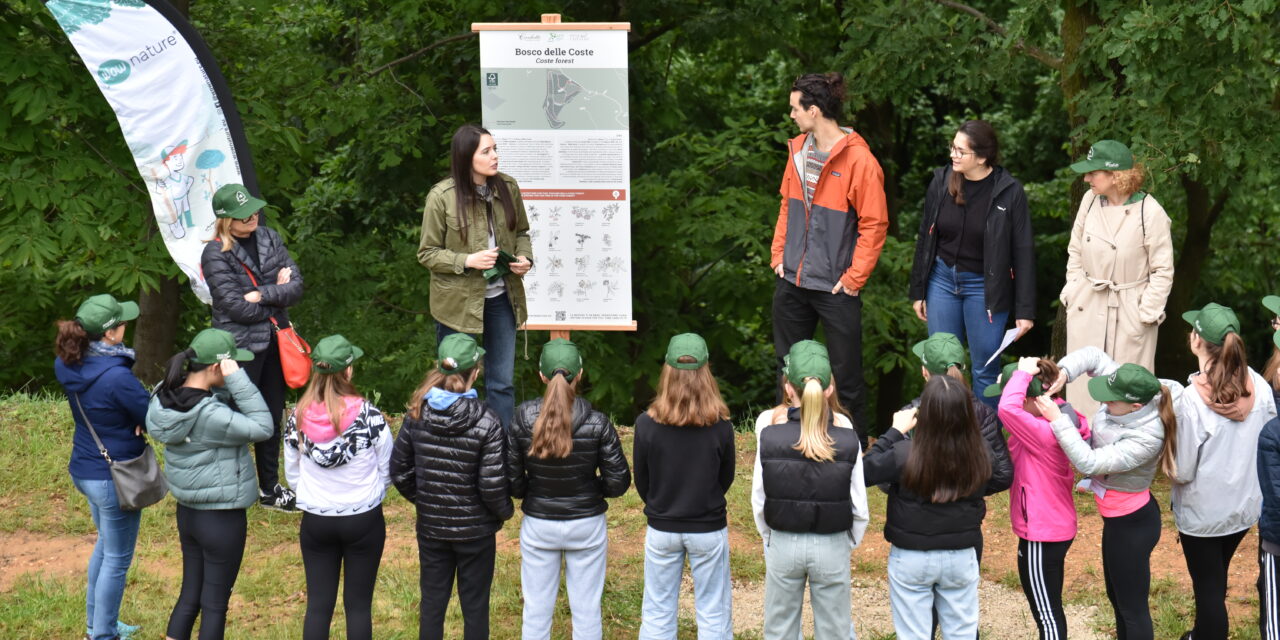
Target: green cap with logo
x=1105, y=155
x=560, y=355
x=1129, y=383
x=215, y=345
x=1213, y=322
x=234, y=201
x=807, y=359
x=939, y=352
x=458, y=352
x=1034, y=390
x=687, y=344
x=103, y=312
x=334, y=354
x=1272, y=303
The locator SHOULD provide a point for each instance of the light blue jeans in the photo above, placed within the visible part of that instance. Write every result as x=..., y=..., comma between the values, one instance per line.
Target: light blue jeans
x=112, y=555
x=957, y=304
x=499, y=342
x=583, y=544
x=946, y=579
x=822, y=560
x=664, y=555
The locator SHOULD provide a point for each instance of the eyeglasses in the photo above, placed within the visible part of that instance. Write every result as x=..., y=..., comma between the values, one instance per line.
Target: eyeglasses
x=956, y=151
x=251, y=217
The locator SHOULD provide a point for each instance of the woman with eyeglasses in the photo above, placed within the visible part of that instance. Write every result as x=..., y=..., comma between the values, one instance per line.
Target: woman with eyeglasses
x=253, y=282
x=974, y=267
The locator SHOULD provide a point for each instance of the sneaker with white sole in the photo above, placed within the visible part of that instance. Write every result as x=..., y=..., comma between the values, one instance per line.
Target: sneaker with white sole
x=279, y=499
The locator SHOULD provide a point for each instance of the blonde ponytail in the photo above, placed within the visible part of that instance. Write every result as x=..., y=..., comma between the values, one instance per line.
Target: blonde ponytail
x=815, y=416
x=1168, y=453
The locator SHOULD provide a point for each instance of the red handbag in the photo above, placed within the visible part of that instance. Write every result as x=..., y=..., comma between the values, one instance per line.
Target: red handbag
x=295, y=353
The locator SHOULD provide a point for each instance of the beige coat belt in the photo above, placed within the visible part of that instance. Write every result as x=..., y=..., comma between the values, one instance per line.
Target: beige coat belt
x=1113, y=300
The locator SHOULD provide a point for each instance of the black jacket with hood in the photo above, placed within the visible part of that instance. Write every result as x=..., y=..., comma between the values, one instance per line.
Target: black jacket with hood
x=1008, y=248
x=250, y=322
x=575, y=486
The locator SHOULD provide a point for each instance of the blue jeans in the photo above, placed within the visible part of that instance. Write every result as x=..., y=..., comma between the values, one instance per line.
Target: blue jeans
x=499, y=342
x=664, y=554
x=956, y=304
x=583, y=544
x=821, y=560
x=945, y=579
x=112, y=555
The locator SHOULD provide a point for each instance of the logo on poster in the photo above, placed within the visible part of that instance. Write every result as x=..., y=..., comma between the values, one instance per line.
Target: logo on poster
x=113, y=71
x=491, y=79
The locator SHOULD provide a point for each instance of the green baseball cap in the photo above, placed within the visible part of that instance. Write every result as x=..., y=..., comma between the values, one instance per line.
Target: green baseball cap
x=560, y=355
x=1272, y=303
x=458, y=352
x=807, y=359
x=103, y=312
x=1129, y=383
x=334, y=354
x=1213, y=322
x=214, y=345
x=1034, y=389
x=1105, y=155
x=234, y=201
x=687, y=344
x=939, y=352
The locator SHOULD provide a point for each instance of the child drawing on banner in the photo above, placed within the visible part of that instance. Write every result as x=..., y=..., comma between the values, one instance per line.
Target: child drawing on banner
x=175, y=187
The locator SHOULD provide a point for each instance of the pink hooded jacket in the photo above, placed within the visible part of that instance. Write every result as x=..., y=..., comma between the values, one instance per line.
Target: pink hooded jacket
x=1040, y=502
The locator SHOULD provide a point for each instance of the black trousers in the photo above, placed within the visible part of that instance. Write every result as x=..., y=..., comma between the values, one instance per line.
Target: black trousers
x=350, y=546
x=471, y=562
x=212, y=548
x=1268, y=599
x=265, y=373
x=1040, y=569
x=1127, y=542
x=1207, y=561
x=796, y=313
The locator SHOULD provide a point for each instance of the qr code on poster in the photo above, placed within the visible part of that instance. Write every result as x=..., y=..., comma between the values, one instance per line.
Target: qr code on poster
x=561, y=316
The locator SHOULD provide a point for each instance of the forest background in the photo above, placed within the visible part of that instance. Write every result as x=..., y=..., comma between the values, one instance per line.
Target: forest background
x=349, y=106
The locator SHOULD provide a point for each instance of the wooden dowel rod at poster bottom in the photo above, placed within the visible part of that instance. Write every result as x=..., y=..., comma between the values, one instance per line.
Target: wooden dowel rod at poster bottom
x=562, y=330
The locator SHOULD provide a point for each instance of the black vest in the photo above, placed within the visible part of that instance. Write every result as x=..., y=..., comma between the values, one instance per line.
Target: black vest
x=803, y=495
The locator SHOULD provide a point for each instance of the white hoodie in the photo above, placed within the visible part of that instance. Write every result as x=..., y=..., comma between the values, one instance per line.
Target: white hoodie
x=338, y=472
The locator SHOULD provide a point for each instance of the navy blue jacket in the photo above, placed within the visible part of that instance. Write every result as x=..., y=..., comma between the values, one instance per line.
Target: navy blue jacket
x=1269, y=479
x=116, y=404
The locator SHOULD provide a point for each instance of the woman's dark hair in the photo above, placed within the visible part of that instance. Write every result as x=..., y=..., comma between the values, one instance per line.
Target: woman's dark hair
x=72, y=343
x=984, y=144
x=461, y=152
x=826, y=90
x=949, y=459
x=177, y=367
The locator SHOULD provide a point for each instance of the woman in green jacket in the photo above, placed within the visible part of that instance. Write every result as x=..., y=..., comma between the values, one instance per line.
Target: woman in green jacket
x=210, y=471
x=475, y=241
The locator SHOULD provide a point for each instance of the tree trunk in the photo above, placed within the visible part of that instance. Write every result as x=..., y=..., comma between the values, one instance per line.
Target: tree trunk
x=157, y=327
x=1203, y=211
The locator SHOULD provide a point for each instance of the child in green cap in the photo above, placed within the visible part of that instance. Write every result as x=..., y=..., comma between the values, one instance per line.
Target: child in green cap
x=206, y=412
x=336, y=451
x=1271, y=370
x=448, y=461
x=563, y=459
x=684, y=464
x=808, y=498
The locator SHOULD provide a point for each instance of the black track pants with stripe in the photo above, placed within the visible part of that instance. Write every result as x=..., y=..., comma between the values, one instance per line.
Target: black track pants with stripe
x=1268, y=597
x=1040, y=568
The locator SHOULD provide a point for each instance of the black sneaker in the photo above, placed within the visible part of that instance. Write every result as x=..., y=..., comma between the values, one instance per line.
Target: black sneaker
x=280, y=499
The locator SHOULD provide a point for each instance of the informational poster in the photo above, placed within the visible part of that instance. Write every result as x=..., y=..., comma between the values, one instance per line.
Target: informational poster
x=556, y=103
x=174, y=109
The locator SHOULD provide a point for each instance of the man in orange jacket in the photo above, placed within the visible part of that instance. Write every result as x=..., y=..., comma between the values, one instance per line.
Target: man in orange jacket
x=830, y=230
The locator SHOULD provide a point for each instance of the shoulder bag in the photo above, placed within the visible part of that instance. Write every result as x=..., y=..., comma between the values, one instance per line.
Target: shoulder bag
x=295, y=353
x=139, y=482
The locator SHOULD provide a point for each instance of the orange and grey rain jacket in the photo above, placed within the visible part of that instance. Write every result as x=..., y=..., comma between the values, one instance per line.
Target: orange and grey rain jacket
x=840, y=234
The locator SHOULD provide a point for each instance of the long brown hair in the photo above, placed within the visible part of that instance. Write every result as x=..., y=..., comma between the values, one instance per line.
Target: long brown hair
x=553, y=430
x=462, y=151
x=1228, y=369
x=1049, y=371
x=1271, y=371
x=688, y=397
x=984, y=144
x=329, y=389
x=949, y=459
x=456, y=382
x=1169, y=452
x=72, y=343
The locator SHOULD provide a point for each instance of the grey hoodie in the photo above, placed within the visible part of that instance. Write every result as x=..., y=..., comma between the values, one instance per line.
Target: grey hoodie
x=206, y=457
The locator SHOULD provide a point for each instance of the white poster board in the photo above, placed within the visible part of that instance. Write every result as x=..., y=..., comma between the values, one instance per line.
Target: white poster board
x=556, y=102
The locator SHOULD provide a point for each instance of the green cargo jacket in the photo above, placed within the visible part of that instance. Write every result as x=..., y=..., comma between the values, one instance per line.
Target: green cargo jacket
x=457, y=293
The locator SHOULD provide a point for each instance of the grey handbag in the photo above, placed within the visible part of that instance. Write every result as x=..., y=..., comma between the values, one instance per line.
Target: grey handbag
x=139, y=482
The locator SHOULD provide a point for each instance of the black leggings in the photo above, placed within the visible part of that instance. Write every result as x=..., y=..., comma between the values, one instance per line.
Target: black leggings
x=1207, y=561
x=212, y=548
x=1127, y=542
x=336, y=544
x=1040, y=570
x=265, y=373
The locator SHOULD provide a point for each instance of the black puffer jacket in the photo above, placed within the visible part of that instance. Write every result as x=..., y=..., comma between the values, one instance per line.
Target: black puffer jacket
x=572, y=487
x=250, y=322
x=993, y=433
x=450, y=464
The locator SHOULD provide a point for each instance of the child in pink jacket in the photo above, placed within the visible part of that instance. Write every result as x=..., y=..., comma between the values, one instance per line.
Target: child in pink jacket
x=1041, y=506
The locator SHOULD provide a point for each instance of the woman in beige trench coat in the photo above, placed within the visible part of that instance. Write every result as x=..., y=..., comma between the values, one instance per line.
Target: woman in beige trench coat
x=1119, y=265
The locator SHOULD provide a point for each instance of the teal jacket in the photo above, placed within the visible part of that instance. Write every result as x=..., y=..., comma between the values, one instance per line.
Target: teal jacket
x=206, y=455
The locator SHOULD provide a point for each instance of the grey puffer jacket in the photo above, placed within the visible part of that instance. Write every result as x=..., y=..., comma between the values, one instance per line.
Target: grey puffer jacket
x=206, y=454
x=1124, y=451
x=250, y=322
